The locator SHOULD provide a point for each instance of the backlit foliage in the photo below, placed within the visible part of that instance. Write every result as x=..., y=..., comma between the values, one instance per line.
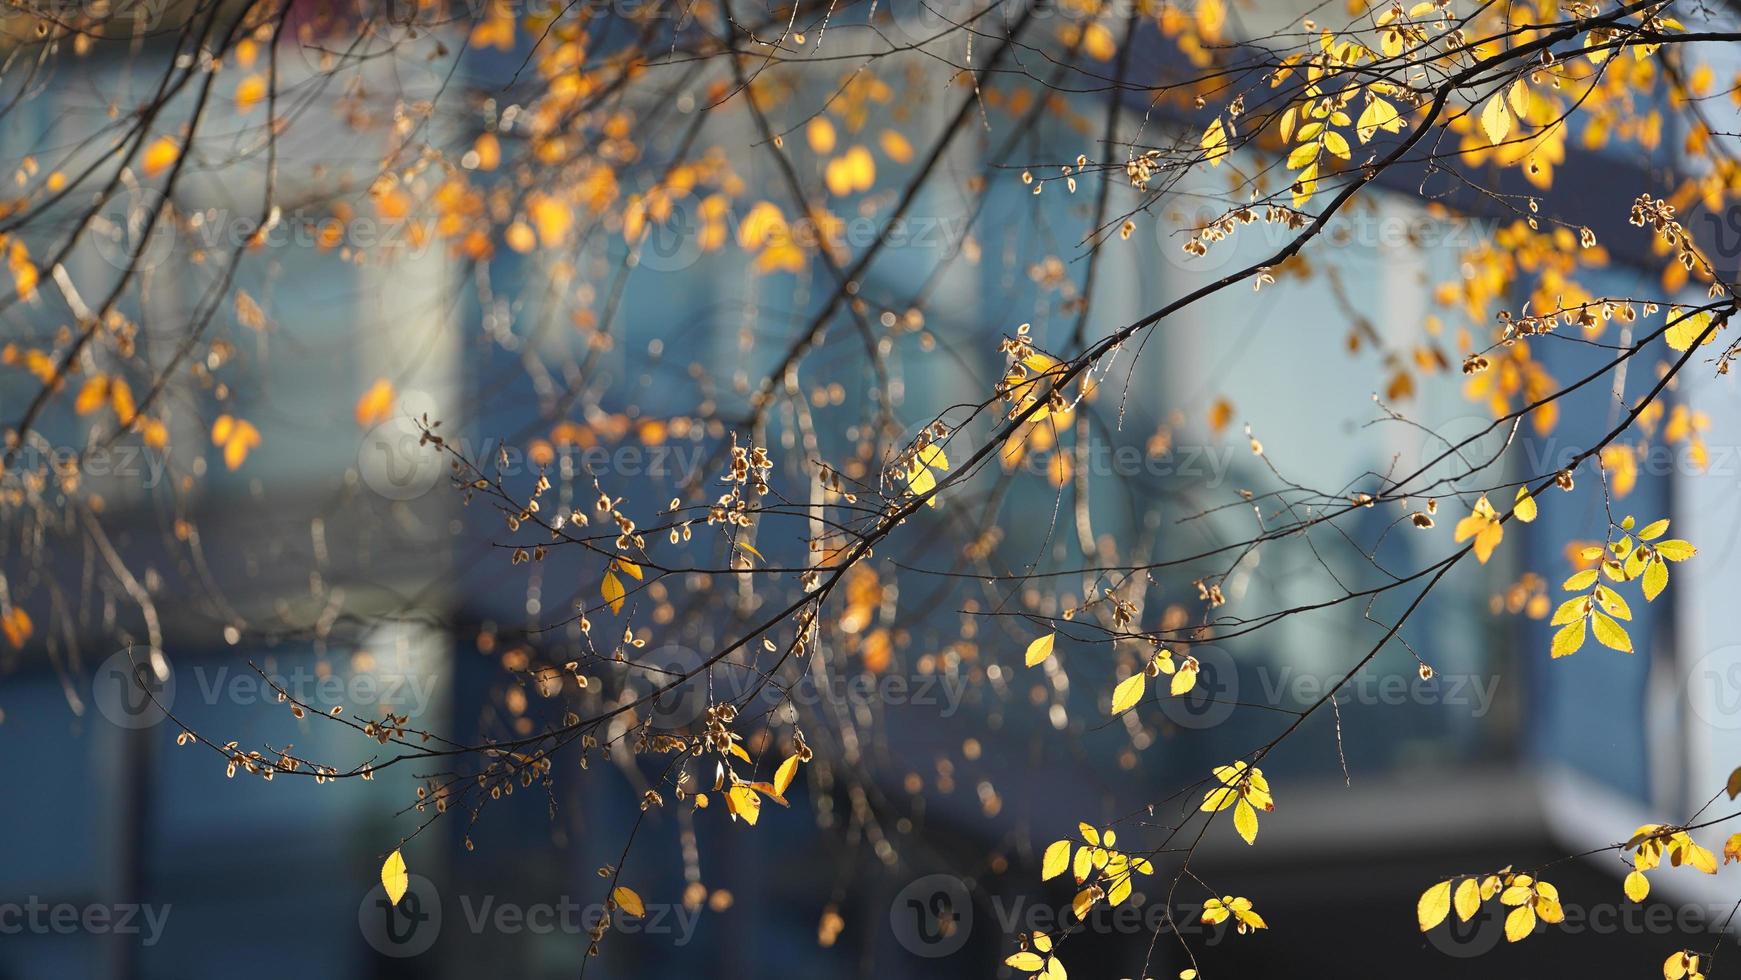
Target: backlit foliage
x=896, y=466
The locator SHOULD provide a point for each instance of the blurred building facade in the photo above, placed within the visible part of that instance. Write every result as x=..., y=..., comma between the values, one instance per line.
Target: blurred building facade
x=1505, y=758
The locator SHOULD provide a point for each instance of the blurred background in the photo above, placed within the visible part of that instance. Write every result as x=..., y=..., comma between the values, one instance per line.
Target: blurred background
x=341, y=563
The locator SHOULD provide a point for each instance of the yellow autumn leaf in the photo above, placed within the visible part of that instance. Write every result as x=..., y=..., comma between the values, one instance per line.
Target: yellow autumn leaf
x=1482, y=525
x=1637, y=886
x=1128, y=692
x=1609, y=633
x=1675, y=549
x=628, y=901
x=160, y=156
x=1214, y=142
x=1569, y=640
x=16, y=626
x=1025, y=961
x=1496, y=119
x=376, y=405
x=784, y=775
x=1519, y=923
x=1686, y=326
x=1433, y=906
x=394, y=877
x=1057, y=859
x=1524, y=506
x=1655, y=580
x=820, y=135
x=1040, y=649
x=895, y=146
x=1184, y=679
x=743, y=803
x=250, y=93
x=613, y=592
x=1467, y=899
x=1378, y=115
x=1245, y=821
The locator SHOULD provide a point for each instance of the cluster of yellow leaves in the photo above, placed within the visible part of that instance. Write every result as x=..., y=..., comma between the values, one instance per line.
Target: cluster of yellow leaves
x=24, y=272
x=853, y=172
x=496, y=28
x=37, y=362
x=1112, y=871
x=1039, y=961
x=236, y=437
x=1313, y=125
x=1684, y=425
x=110, y=390
x=1683, y=965
x=743, y=798
x=1219, y=910
x=1130, y=690
x=1650, y=843
x=1245, y=790
x=1645, y=559
x=612, y=589
x=1528, y=898
x=1484, y=524
x=1023, y=385
x=1503, y=130
x=1198, y=29
x=764, y=230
